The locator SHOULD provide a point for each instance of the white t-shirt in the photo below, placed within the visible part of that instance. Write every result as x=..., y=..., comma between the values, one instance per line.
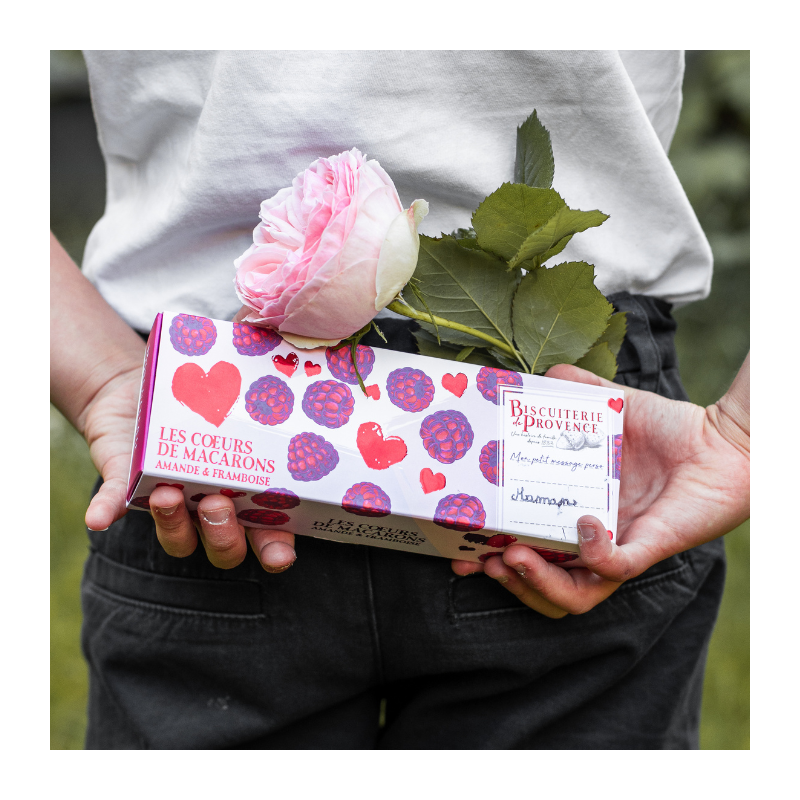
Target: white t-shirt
x=195, y=140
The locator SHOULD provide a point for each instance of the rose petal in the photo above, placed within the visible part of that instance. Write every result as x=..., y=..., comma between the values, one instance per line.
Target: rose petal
x=307, y=342
x=399, y=254
x=345, y=293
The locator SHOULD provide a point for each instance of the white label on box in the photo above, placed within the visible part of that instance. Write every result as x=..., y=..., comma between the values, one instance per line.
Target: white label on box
x=556, y=465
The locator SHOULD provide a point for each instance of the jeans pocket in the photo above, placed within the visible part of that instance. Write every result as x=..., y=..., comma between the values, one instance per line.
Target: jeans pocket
x=479, y=596
x=220, y=598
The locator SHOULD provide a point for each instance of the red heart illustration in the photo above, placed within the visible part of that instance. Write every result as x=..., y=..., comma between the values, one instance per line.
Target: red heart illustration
x=430, y=482
x=374, y=391
x=456, y=384
x=286, y=365
x=610, y=535
x=212, y=395
x=616, y=404
x=196, y=498
x=176, y=485
x=230, y=493
x=312, y=368
x=377, y=452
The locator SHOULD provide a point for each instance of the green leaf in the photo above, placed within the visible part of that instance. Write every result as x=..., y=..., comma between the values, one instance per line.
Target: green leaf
x=508, y=216
x=615, y=332
x=558, y=314
x=599, y=360
x=464, y=353
x=534, y=163
x=378, y=331
x=503, y=360
x=428, y=346
x=464, y=286
x=556, y=232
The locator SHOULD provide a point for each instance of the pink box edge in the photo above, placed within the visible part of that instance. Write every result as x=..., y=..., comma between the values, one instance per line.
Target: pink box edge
x=145, y=405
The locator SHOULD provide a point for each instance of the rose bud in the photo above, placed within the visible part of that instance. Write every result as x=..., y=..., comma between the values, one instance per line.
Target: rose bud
x=330, y=252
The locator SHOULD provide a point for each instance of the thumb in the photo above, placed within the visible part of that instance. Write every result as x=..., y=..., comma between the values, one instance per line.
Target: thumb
x=601, y=555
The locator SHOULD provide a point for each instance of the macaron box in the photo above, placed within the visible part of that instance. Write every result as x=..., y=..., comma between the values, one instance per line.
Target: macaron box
x=438, y=457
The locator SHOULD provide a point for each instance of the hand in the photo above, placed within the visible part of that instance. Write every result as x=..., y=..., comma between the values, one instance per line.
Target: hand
x=109, y=424
x=95, y=371
x=685, y=481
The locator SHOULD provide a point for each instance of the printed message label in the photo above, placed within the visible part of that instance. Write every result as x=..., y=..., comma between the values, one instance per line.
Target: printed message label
x=556, y=463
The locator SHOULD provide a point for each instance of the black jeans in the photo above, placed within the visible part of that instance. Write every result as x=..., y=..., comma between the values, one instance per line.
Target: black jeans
x=184, y=655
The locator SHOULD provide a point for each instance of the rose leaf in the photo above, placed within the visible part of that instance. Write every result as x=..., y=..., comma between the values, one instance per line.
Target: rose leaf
x=508, y=216
x=465, y=286
x=534, y=163
x=599, y=360
x=552, y=237
x=615, y=332
x=428, y=346
x=558, y=314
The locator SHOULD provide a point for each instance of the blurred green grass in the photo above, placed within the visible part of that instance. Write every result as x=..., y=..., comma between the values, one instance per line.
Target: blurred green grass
x=71, y=478
x=710, y=155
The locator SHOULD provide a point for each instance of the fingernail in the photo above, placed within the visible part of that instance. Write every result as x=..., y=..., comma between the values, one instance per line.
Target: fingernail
x=502, y=578
x=96, y=530
x=216, y=516
x=268, y=568
x=166, y=512
x=520, y=568
x=586, y=532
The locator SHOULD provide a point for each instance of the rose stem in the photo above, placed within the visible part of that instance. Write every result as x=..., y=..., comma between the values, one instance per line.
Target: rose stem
x=408, y=311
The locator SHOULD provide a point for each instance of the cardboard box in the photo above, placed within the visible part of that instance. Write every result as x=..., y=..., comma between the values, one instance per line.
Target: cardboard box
x=441, y=457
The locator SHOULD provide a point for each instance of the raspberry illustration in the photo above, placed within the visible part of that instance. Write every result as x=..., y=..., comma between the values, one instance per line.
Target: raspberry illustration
x=192, y=336
x=251, y=341
x=484, y=557
x=340, y=363
x=328, y=403
x=261, y=516
x=617, y=455
x=501, y=540
x=276, y=498
x=554, y=556
x=311, y=457
x=488, y=462
x=489, y=377
x=367, y=500
x=410, y=389
x=460, y=512
x=446, y=435
x=269, y=400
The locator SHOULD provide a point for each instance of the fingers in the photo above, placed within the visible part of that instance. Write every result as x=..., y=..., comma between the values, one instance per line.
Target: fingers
x=517, y=584
x=573, y=591
x=465, y=567
x=567, y=372
x=174, y=528
x=274, y=549
x=223, y=537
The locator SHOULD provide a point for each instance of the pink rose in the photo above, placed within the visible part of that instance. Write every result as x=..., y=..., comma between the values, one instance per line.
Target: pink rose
x=331, y=251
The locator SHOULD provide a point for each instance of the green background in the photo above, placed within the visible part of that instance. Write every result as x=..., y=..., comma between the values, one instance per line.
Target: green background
x=710, y=153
